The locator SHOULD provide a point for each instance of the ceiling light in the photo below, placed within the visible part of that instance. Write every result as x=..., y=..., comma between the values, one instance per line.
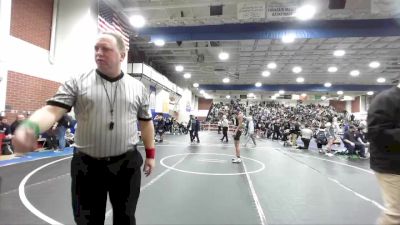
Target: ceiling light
x=374, y=64
x=258, y=84
x=303, y=95
x=381, y=80
x=179, y=68
x=228, y=96
x=332, y=69
x=339, y=92
x=327, y=84
x=370, y=93
x=195, y=85
x=137, y=21
x=339, y=53
x=202, y=92
x=266, y=73
x=271, y=65
x=281, y=92
x=297, y=69
x=288, y=38
x=354, y=73
x=323, y=98
x=187, y=75
x=250, y=95
x=300, y=80
x=305, y=12
x=226, y=80
x=159, y=42
x=223, y=56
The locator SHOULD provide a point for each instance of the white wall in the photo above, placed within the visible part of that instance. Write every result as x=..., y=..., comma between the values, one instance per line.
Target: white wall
x=162, y=101
x=75, y=36
x=5, y=19
x=185, y=105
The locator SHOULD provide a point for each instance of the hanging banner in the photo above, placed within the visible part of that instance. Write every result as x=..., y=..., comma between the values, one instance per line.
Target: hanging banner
x=251, y=10
x=386, y=7
x=280, y=9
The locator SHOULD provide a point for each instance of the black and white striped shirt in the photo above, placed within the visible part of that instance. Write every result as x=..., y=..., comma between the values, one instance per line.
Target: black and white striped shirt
x=87, y=94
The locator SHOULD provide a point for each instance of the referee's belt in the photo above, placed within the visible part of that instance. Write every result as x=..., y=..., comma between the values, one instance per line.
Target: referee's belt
x=107, y=158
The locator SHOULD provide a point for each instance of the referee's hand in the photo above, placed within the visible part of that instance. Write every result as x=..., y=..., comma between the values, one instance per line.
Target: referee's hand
x=148, y=167
x=24, y=140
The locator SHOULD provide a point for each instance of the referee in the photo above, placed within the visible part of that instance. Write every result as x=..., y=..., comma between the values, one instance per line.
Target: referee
x=107, y=105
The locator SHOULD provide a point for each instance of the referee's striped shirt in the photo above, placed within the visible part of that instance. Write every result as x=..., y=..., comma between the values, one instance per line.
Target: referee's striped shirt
x=87, y=95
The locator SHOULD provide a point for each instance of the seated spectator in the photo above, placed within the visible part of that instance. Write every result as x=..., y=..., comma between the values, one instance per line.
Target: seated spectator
x=51, y=138
x=17, y=122
x=351, y=143
x=6, y=142
x=69, y=137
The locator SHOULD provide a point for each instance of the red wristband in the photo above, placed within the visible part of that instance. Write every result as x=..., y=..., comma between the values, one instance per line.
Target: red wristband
x=150, y=153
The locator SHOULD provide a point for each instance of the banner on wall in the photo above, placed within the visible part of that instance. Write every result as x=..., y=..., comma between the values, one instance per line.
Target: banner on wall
x=251, y=10
x=279, y=8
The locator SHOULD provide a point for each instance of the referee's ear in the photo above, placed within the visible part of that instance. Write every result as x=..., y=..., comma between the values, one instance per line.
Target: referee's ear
x=122, y=54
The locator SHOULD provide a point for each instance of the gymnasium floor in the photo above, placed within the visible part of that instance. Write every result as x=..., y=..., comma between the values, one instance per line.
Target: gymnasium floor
x=198, y=184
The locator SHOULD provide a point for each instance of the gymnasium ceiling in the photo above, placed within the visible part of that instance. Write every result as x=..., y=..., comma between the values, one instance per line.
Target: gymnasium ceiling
x=249, y=57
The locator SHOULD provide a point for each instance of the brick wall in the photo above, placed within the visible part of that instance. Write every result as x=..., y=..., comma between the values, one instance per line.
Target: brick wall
x=26, y=93
x=31, y=21
x=340, y=106
x=204, y=104
x=355, y=105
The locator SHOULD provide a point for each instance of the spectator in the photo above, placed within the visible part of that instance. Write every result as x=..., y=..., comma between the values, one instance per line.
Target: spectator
x=17, y=122
x=351, y=143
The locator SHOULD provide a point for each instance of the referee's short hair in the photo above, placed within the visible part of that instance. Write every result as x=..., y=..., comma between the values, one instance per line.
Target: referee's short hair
x=120, y=42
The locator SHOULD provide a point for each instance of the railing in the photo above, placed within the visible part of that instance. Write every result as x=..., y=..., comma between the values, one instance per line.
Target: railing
x=214, y=127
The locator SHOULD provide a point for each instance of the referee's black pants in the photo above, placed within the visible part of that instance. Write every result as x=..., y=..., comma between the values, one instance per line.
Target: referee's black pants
x=93, y=178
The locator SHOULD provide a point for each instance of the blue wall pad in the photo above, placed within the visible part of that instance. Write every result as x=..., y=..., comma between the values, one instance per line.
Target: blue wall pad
x=275, y=30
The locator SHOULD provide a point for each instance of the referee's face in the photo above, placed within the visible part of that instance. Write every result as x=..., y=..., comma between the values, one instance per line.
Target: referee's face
x=108, y=57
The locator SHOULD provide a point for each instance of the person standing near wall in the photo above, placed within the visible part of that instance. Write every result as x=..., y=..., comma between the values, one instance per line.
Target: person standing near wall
x=384, y=136
x=107, y=105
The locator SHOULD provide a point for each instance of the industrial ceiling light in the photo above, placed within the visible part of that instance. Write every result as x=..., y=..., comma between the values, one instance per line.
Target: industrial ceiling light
x=297, y=69
x=196, y=85
x=332, y=69
x=381, y=80
x=354, y=73
x=339, y=53
x=271, y=65
x=137, y=21
x=288, y=38
x=258, y=84
x=327, y=84
x=266, y=73
x=374, y=64
x=370, y=93
x=226, y=80
x=187, y=75
x=223, y=56
x=159, y=42
x=305, y=12
x=179, y=68
x=300, y=80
